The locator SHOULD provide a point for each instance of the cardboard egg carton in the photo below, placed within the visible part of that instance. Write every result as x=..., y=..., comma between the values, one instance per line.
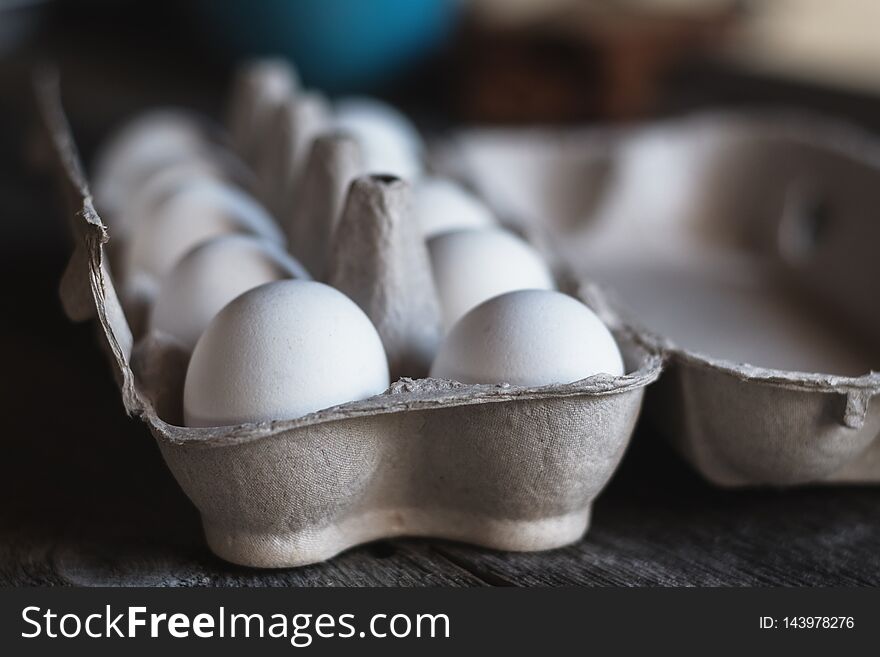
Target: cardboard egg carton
x=746, y=246
x=740, y=257
x=506, y=467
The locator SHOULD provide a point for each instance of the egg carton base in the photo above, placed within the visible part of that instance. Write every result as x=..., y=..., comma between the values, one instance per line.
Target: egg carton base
x=287, y=549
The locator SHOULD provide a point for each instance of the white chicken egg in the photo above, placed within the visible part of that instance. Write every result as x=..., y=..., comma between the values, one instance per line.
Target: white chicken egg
x=280, y=351
x=389, y=141
x=158, y=187
x=528, y=338
x=471, y=266
x=191, y=215
x=140, y=147
x=210, y=276
x=441, y=205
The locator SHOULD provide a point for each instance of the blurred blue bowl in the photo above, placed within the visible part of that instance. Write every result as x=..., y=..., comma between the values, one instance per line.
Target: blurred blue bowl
x=337, y=45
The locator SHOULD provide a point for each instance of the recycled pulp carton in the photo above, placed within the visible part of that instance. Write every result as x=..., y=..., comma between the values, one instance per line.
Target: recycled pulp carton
x=736, y=251
x=502, y=466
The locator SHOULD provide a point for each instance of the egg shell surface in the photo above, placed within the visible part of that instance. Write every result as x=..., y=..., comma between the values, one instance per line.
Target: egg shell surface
x=471, y=266
x=140, y=147
x=189, y=216
x=389, y=141
x=159, y=186
x=528, y=338
x=211, y=275
x=280, y=351
x=441, y=205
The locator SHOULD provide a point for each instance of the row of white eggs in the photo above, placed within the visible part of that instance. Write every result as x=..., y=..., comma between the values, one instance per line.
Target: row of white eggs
x=268, y=342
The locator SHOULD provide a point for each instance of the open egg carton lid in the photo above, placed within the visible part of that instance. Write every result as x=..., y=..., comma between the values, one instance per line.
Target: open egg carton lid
x=504, y=466
x=746, y=245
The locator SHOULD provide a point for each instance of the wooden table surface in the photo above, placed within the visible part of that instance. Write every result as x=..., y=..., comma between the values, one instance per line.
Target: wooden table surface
x=87, y=499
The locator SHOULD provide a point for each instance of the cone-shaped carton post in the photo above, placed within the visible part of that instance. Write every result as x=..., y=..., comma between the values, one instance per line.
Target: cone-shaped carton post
x=333, y=162
x=379, y=259
x=258, y=89
x=294, y=125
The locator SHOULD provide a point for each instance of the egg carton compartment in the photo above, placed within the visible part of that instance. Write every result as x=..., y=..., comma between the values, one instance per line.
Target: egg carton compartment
x=502, y=466
x=745, y=248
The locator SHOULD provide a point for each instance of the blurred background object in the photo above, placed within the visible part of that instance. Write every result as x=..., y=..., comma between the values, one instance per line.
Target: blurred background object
x=569, y=60
x=338, y=45
x=818, y=41
x=512, y=61
x=19, y=19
